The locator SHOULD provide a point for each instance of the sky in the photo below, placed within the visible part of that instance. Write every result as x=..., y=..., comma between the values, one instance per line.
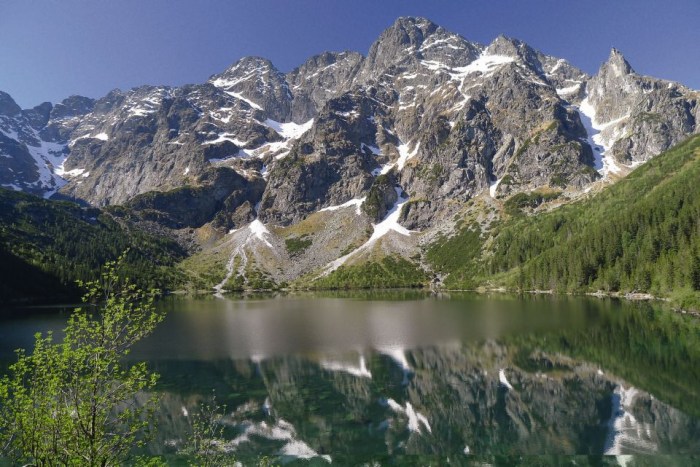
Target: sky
x=51, y=49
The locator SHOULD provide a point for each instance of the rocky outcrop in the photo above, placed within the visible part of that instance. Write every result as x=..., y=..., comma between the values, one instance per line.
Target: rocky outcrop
x=319, y=79
x=639, y=116
x=219, y=193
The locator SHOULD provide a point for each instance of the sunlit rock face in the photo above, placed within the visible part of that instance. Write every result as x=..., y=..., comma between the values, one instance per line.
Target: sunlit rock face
x=449, y=116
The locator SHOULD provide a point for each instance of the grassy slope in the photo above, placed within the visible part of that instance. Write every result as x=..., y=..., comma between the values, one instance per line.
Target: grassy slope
x=641, y=234
x=387, y=272
x=45, y=246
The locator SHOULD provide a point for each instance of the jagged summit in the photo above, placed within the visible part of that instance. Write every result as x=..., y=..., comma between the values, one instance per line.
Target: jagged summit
x=412, y=22
x=616, y=64
x=8, y=106
x=426, y=112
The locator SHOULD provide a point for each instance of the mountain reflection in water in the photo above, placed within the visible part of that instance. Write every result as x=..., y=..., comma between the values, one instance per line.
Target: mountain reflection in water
x=414, y=378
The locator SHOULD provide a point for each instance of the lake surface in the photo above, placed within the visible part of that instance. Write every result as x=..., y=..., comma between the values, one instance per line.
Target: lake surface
x=407, y=377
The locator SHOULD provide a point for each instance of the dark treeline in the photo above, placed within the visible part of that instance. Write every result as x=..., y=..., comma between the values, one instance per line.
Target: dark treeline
x=45, y=246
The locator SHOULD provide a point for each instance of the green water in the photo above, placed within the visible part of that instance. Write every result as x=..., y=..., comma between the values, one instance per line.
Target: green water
x=406, y=377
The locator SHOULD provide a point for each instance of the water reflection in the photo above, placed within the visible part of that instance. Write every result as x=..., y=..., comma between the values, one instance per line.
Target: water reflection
x=374, y=378
x=209, y=329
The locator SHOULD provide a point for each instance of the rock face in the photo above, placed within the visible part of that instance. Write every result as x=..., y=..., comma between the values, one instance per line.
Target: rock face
x=440, y=118
x=639, y=116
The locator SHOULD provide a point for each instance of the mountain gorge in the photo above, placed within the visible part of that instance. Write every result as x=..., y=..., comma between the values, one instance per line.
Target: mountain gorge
x=347, y=161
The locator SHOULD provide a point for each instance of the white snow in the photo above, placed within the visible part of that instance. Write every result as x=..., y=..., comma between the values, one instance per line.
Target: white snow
x=281, y=431
x=259, y=230
x=10, y=133
x=226, y=137
x=493, y=187
x=357, y=202
x=289, y=130
x=187, y=170
x=432, y=43
x=503, y=380
x=388, y=224
x=267, y=406
x=255, y=229
x=404, y=156
x=49, y=158
x=139, y=111
x=243, y=98
x=598, y=142
x=626, y=434
x=391, y=221
x=374, y=149
x=556, y=66
x=397, y=354
x=280, y=149
x=218, y=115
x=101, y=136
x=360, y=370
x=486, y=63
x=568, y=90
x=415, y=419
x=72, y=173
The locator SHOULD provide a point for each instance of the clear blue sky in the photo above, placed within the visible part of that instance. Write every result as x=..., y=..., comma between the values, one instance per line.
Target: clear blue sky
x=54, y=48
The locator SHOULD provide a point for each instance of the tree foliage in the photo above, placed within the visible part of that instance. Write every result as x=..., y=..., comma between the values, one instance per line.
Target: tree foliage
x=77, y=402
x=46, y=246
x=641, y=234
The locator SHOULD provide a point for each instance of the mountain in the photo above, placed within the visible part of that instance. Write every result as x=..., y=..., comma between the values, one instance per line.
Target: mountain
x=346, y=160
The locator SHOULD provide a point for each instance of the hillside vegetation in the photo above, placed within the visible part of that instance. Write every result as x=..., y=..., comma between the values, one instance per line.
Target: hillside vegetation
x=45, y=246
x=641, y=234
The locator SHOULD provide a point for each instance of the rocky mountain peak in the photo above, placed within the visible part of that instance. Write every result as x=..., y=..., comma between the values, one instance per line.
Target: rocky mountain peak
x=8, y=106
x=427, y=118
x=402, y=39
x=616, y=65
x=245, y=66
x=413, y=26
x=516, y=49
x=410, y=40
x=39, y=116
x=256, y=81
x=73, y=106
x=320, y=78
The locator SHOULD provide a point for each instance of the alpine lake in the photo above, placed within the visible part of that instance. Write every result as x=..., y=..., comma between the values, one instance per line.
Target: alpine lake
x=418, y=378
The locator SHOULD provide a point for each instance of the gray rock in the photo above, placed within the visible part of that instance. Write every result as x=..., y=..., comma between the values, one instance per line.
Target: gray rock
x=8, y=106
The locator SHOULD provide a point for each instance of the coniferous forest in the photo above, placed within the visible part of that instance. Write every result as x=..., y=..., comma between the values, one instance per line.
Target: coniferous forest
x=641, y=234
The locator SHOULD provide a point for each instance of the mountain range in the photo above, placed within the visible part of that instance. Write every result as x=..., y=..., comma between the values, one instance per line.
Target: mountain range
x=271, y=178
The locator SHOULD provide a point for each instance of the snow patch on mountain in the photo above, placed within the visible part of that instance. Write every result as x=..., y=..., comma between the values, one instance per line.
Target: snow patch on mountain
x=353, y=202
x=415, y=419
x=599, y=143
x=241, y=97
x=388, y=224
x=290, y=130
x=360, y=370
x=626, y=434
